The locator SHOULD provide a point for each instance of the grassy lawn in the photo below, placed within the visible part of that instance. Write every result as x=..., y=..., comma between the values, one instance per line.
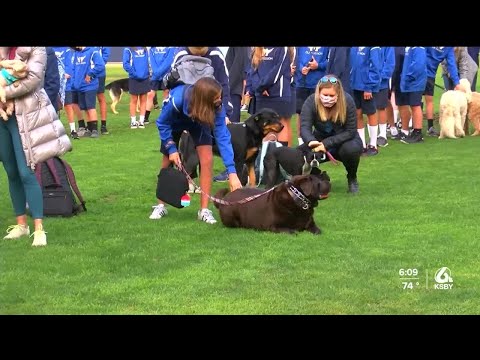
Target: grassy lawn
x=417, y=209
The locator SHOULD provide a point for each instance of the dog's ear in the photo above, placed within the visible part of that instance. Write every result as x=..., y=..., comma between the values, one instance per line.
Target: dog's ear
x=305, y=184
x=252, y=123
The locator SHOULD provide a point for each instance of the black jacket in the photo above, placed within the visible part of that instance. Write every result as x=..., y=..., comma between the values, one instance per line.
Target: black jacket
x=52, y=78
x=236, y=60
x=329, y=133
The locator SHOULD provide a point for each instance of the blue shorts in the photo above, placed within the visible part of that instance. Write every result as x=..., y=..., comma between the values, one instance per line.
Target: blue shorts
x=101, y=85
x=138, y=87
x=368, y=106
x=201, y=135
x=87, y=100
x=429, y=87
x=302, y=94
x=71, y=97
x=155, y=85
x=408, y=98
x=381, y=99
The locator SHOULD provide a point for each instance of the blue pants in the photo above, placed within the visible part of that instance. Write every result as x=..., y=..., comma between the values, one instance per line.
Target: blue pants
x=22, y=182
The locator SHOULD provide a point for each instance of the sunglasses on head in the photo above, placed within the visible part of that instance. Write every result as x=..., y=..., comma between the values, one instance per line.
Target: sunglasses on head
x=330, y=79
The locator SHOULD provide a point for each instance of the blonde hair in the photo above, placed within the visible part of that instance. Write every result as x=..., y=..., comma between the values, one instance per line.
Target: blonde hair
x=338, y=112
x=202, y=103
x=257, y=56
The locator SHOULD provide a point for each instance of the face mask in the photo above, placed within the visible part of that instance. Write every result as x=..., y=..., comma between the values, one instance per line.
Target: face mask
x=328, y=101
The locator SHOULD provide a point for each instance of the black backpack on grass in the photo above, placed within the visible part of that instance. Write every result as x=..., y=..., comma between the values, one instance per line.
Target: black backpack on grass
x=59, y=187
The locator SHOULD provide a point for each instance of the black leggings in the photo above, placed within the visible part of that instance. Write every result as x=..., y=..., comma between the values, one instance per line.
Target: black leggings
x=349, y=154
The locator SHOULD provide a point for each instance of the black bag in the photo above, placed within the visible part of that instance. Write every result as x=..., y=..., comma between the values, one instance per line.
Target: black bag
x=171, y=186
x=57, y=180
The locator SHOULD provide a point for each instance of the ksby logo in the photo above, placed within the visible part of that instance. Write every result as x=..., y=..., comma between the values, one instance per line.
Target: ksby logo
x=443, y=279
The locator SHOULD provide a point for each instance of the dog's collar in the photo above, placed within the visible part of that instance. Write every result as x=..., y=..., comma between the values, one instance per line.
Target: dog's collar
x=298, y=197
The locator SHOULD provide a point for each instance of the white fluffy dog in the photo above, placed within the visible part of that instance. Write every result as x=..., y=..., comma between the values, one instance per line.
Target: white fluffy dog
x=453, y=111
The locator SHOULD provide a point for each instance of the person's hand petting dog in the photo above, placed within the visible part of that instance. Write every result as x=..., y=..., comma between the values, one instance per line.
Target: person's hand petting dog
x=317, y=146
x=234, y=182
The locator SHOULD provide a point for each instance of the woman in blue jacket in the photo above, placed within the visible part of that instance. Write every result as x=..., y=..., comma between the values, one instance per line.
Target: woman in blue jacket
x=135, y=63
x=197, y=109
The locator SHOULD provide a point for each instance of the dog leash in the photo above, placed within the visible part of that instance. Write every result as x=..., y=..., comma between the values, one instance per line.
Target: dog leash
x=221, y=201
x=331, y=158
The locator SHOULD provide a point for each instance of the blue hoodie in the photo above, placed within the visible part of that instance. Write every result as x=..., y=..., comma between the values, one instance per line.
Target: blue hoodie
x=273, y=74
x=69, y=68
x=304, y=55
x=435, y=55
x=339, y=65
x=388, y=57
x=105, y=53
x=135, y=62
x=366, y=65
x=161, y=59
x=61, y=51
x=220, y=72
x=174, y=118
x=414, y=70
x=86, y=62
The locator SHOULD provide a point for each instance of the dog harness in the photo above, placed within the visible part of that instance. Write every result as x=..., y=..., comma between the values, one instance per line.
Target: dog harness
x=9, y=78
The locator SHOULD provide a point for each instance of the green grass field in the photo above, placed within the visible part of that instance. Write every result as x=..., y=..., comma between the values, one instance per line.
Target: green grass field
x=417, y=209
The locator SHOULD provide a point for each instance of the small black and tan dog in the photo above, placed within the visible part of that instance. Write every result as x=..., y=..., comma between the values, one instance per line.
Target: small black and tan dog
x=246, y=138
x=116, y=89
x=287, y=208
x=281, y=163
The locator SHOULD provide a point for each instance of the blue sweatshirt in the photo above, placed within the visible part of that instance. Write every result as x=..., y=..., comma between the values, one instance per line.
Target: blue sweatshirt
x=304, y=55
x=86, y=62
x=388, y=57
x=161, y=59
x=61, y=51
x=414, y=70
x=339, y=65
x=135, y=62
x=273, y=74
x=220, y=72
x=366, y=65
x=435, y=55
x=174, y=118
x=69, y=68
x=105, y=53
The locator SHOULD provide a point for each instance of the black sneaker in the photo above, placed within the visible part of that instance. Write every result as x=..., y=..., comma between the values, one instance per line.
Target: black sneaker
x=400, y=136
x=146, y=121
x=414, y=137
x=371, y=151
x=353, y=186
x=74, y=135
x=381, y=141
x=104, y=131
x=433, y=132
x=364, y=152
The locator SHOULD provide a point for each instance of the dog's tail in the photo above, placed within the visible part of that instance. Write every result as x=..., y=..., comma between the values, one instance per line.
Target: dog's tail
x=220, y=195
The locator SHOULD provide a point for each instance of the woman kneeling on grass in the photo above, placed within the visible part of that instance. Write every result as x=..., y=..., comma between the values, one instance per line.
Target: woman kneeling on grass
x=198, y=109
x=329, y=124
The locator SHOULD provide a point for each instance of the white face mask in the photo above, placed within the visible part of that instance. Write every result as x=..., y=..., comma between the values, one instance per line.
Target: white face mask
x=328, y=101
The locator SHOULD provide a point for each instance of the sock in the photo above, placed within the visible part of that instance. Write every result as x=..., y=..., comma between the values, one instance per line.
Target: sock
x=72, y=126
x=300, y=141
x=133, y=119
x=405, y=132
x=284, y=143
x=81, y=123
x=430, y=123
x=94, y=125
x=393, y=131
x=373, y=130
x=410, y=123
x=89, y=125
x=395, y=116
x=104, y=123
x=147, y=114
x=382, y=130
x=361, y=132
x=141, y=119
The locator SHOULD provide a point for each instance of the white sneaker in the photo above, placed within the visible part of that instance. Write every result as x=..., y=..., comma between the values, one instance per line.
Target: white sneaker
x=39, y=238
x=192, y=189
x=158, y=212
x=206, y=215
x=17, y=231
x=134, y=125
x=141, y=125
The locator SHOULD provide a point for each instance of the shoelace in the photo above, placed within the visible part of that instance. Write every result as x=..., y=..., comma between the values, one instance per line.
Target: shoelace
x=13, y=227
x=37, y=231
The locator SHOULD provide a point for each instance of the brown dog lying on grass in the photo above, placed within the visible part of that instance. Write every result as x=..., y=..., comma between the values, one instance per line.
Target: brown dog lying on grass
x=288, y=208
x=10, y=72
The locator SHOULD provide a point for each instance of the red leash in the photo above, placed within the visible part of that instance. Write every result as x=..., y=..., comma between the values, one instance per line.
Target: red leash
x=331, y=158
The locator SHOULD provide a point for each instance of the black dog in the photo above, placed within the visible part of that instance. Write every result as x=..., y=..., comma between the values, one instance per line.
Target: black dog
x=246, y=138
x=288, y=208
x=116, y=89
x=281, y=163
